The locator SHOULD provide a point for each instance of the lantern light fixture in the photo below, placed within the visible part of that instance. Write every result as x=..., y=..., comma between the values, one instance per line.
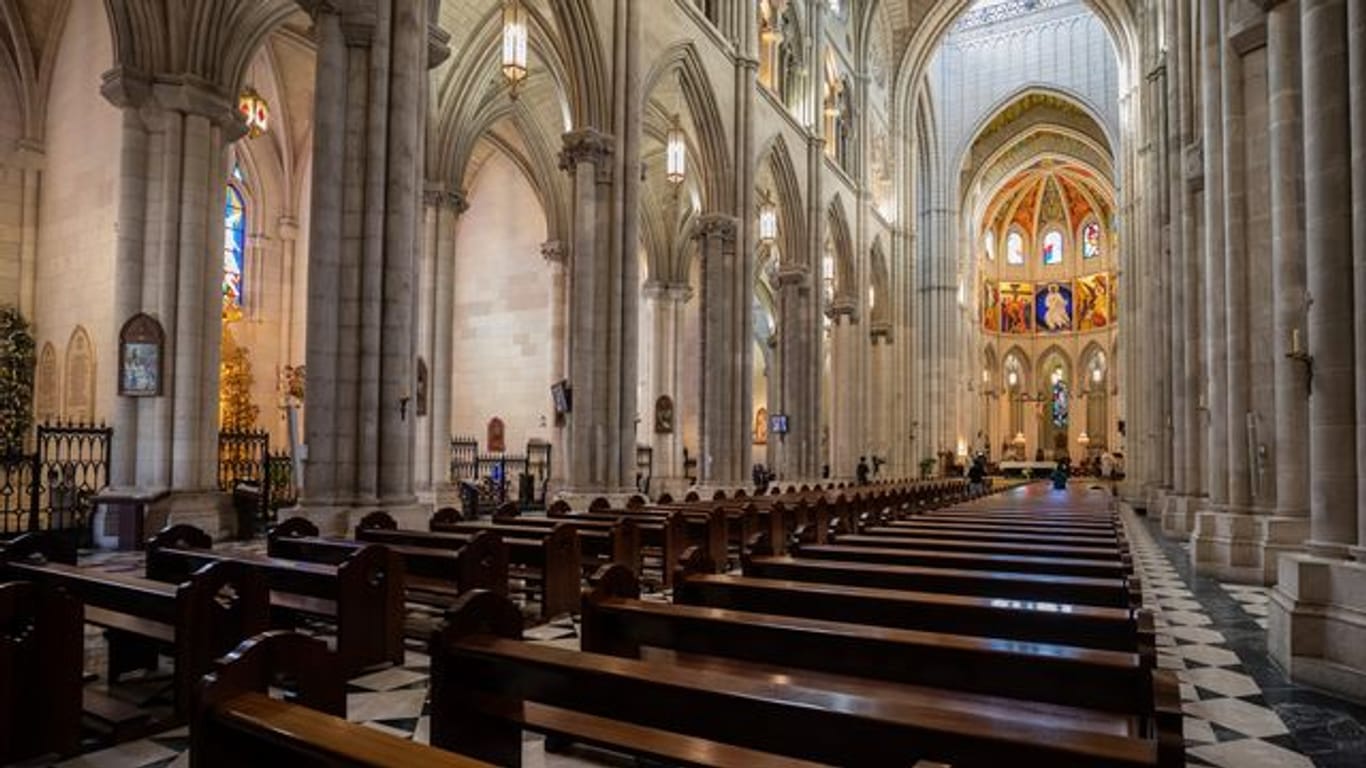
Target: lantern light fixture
x=768, y=221
x=514, y=45
x=676, y=160
x=255, y=112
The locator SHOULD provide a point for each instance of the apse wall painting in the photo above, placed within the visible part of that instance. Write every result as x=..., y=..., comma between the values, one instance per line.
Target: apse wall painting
x=1095, y=302
x=1053, y=308
x=991, y=307
x=1016, y=299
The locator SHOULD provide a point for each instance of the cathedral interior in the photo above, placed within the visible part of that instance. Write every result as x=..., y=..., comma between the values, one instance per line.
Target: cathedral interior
x=1067, y=294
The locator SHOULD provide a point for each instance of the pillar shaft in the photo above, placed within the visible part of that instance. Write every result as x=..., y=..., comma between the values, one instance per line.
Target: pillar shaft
x=1287, y=256
x=1328, y=230
x=1215, y=336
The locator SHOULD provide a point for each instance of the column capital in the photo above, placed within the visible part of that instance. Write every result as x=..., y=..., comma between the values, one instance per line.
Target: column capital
x=436, y=194
x=438, y=46
x=793, y=274
x=588, y=145
x=842, y=307
x=880, y=330
x=659, y=291
x=554, y=251
x=288, y=228
x=719, y=226
x=130, y=88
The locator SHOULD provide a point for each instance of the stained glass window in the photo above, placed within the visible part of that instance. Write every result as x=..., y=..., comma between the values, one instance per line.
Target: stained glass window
x=1052, y=248
x=989, y=246
x=234, y=248
x=1090, y=240
x=1058, y=407
x=1015, y=248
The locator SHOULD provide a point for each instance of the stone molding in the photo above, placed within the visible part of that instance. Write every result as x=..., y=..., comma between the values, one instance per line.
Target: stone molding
x=436, y=195
x=718, y=226
x=554, y=251
x=588, y=145
x=793, y=274
x=662, y=291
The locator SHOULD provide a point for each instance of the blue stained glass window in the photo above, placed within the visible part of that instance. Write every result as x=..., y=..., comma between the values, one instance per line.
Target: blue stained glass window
x=1059, y=406
x=234, y=247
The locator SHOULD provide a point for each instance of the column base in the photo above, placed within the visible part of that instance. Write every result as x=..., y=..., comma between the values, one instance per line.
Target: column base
x=1243, y=547
x=1317, y=623
x=209, y=511
x=340, y=519
x=1178, y=515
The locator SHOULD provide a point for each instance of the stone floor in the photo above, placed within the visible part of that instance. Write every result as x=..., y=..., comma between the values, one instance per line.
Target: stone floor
x=1240, y=711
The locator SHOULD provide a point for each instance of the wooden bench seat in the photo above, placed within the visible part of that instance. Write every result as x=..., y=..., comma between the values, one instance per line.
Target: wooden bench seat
x=195, y=618
x=908, y=528
x=1118, y=629
x=363, y=595
x=663, y=533
x=1009, y=527
x=549, y=558
x=430, y=575
x=617, y=623
x=894, y=555
x=601, y=542
x=481, y=673
x=237, y=724
x=881, y=536
x=1112, y=592
x=41, y=656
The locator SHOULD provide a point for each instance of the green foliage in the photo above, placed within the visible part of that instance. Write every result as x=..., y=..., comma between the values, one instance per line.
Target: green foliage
x=17, y=360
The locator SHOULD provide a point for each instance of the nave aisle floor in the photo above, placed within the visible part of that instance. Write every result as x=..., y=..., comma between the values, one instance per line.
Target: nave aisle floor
x=1241, y=711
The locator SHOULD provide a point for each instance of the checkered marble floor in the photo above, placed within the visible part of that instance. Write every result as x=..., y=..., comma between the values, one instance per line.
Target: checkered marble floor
x=1240, y=711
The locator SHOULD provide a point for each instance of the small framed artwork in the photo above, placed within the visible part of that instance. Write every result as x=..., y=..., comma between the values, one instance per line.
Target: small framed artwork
x=142, y=346
x=664, y=415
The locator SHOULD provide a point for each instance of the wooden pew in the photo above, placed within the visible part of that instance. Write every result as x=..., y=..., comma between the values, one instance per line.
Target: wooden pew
x=665, y=532
x=1013, y=563
x=601, y=542
x=550, y=557
x=487, y=685
x=363, y=595
x=882, y=536
x=429, y=574
x=617, y=623
x=237, y=725
x=200, y=615
x=1115, y=629
x=1009, y=527
x=41, y=657
x=1113, y=592
x=906, y=528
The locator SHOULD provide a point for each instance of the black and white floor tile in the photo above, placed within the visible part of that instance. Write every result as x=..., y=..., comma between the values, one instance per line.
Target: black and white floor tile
x=1241, y=712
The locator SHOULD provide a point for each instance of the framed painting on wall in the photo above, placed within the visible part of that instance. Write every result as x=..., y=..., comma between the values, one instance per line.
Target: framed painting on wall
x=141, y=351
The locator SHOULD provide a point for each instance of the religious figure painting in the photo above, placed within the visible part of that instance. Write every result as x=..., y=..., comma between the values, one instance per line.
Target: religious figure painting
x=1052, y=248
x=1093, y=302
x=991, y=307
x=1053, y=308
x=1016, y=299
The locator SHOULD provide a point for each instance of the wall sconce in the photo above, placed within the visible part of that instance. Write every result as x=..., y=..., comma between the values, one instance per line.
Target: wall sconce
x=1299, y=354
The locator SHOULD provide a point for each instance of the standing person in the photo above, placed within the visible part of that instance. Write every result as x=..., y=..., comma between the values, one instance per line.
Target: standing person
x=1107, y=465
x=862, y=470
x=977, y=475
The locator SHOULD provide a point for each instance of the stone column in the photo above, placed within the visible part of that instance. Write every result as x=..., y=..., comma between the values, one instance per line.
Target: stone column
x=1235, y=289
x=172, y=175
x=441, y=368
x=794, y=362
x=716, y=460
x=1291, y=449
x=844, y=395
x=1356, y=36
x=585, y=156
x=669, y=301
x=1215, y=331
x=1328, y=229
x=364, y=244
x=1176, y=139
x=556, y=256
x=427, y=433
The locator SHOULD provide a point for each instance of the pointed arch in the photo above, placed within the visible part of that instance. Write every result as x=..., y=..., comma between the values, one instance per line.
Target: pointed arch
x=843, y=247
x=78, y=396
x=47, y=386
x=713, y=148
x=777, y=158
